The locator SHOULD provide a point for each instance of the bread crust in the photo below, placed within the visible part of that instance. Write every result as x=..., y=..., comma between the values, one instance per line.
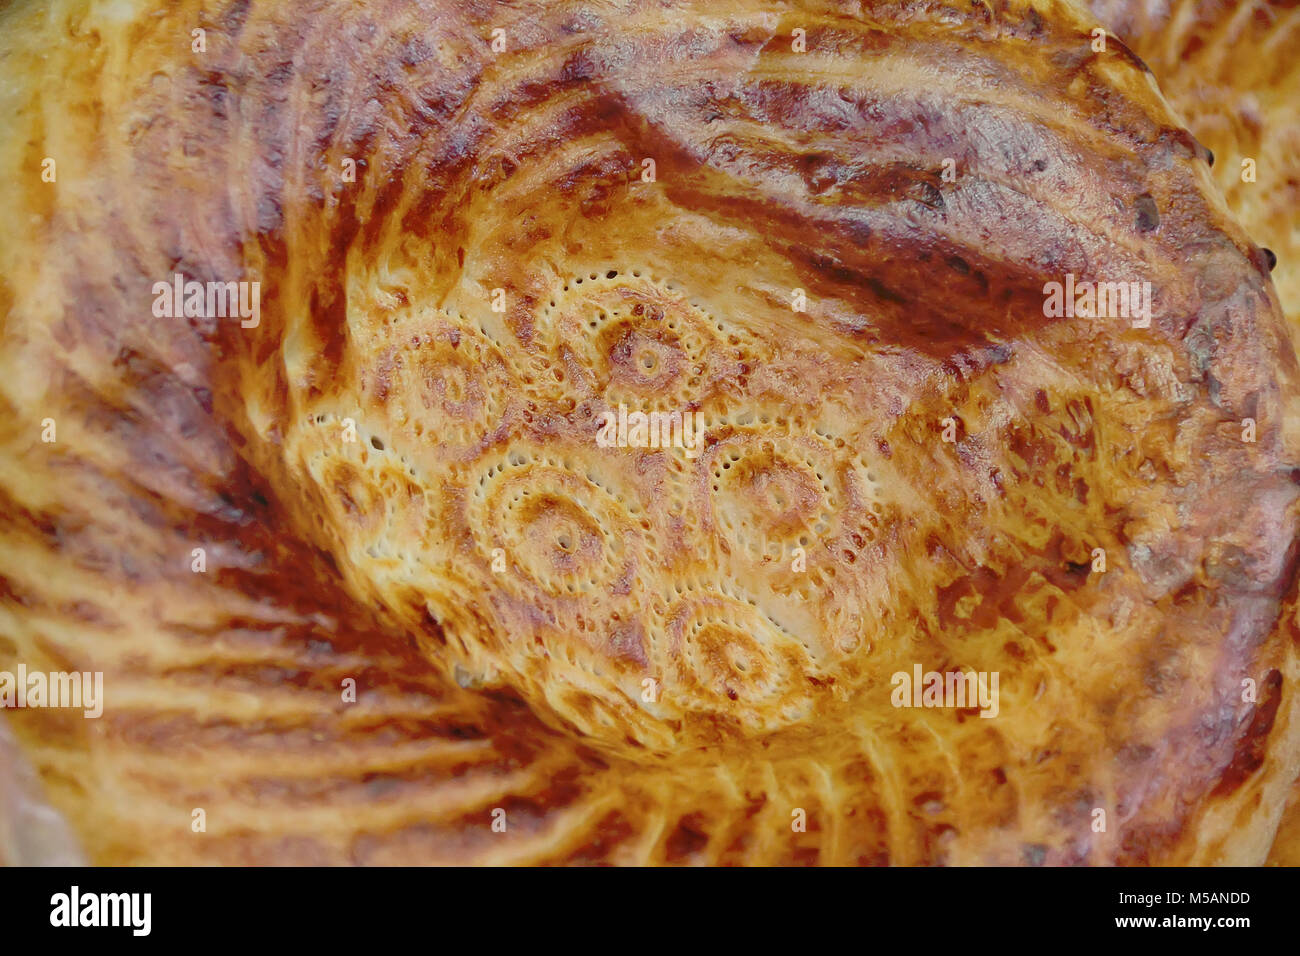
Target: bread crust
x=1223, y=66
x=522, y=689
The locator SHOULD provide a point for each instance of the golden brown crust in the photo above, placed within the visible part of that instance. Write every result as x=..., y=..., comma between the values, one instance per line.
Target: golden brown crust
x=1226, y=68
x=521, y=689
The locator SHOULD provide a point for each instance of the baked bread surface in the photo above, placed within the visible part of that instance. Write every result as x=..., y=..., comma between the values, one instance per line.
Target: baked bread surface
x=1226, y=67
x=499, y=586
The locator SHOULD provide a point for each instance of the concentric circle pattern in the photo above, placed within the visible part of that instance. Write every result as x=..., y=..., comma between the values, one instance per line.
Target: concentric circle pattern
x=639, y=393
x=565, y=534
x=642, y=344
x=725, y=658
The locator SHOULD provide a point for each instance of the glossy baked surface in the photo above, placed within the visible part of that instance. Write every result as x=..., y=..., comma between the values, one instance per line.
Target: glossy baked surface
x=1227, y=67
x=522, y=688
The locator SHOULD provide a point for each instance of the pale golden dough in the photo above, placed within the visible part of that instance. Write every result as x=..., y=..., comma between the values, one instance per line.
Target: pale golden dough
x=522, y=689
